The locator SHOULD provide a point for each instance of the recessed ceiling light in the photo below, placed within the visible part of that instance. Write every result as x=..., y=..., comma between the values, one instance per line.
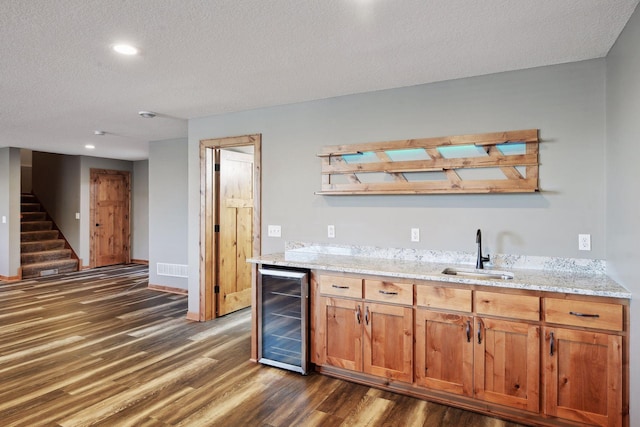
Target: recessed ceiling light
x=125, y=49
x=89, y=146
x=99, y=132
x=147, y=114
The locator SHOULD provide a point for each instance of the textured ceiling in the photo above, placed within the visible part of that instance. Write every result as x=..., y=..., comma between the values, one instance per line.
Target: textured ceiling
x=59, y=80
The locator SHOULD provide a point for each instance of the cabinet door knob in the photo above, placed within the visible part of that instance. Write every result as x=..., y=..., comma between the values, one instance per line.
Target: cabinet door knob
x=468, y=330
x=552, y=342
x=358, y=314
x=366, y=316
x=479, y=333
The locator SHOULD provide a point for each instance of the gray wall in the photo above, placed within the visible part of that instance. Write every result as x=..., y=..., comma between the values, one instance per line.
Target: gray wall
x=10, y=208
x=168, y=209
x=56, y=183
x=623, y=173
x=565, y=102
x=140, y=211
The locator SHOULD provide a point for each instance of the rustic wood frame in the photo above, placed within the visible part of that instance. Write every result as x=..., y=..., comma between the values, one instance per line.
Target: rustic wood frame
x=334, y=164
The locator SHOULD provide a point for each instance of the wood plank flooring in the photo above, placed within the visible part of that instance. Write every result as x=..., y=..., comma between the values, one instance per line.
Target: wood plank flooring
x=98, y=348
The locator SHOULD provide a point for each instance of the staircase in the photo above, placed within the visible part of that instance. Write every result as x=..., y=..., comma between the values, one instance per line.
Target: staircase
x=43, y=250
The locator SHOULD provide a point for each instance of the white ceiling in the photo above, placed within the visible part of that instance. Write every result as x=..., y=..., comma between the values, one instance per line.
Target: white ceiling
x=59, y=80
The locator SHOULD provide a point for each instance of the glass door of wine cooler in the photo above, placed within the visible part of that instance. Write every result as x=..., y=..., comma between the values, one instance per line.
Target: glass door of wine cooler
x=282, y=318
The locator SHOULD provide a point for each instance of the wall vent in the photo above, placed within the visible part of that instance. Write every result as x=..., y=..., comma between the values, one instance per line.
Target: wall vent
x=175, y=270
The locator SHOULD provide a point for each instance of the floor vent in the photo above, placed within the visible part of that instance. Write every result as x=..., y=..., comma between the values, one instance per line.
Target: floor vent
x=175, y=270
x=49, y=272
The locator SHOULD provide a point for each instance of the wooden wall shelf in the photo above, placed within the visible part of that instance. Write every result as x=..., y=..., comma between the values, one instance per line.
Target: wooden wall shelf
x=498, y=162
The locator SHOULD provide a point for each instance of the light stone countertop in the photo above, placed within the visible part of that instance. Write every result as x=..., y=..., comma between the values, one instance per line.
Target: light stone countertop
x=553, y=280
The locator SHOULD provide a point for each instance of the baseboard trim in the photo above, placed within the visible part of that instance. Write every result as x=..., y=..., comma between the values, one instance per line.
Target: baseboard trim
x=10, y=278
x=140, y=261
x=193, y=316
x=168, y=289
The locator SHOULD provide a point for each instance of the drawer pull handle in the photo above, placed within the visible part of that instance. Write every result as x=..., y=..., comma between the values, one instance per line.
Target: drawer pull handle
x=551, y=344
x=339, y=287
x=575, y=313
x=387, y=292
x=468, y=330
x=358, y=314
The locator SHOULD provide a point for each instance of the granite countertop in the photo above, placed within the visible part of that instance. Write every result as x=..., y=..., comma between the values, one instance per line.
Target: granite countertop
x=573, y=282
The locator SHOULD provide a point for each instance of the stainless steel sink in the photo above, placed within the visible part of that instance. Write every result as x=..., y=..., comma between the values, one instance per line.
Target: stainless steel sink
x=480, y=274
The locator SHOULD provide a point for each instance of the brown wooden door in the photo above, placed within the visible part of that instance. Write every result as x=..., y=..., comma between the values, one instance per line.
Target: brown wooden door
x=583, y=376
x=110, y=234
x=388, y=343
x=507, y=363
x=340, y=335
x=236, y=231
x=444, y=351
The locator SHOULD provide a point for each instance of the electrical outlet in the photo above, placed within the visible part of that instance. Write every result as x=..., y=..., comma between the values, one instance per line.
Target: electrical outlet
x=274, y=231
x=331, y=231
x=4, y=219
x=584, y=242
x=77, y=215
x=415, y=234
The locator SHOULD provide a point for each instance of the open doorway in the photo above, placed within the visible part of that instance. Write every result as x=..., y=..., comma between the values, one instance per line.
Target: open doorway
x=229, y=222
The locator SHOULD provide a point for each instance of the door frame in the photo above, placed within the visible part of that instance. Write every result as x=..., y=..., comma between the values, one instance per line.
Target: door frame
x=93, y=176
x=208, y=197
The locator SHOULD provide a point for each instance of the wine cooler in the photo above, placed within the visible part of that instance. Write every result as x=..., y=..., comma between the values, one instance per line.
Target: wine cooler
x=283, y=305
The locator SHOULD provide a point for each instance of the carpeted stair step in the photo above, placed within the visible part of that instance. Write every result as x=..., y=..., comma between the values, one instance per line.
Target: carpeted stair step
x=33, y=216
x=41, y=245
x=28, y=198
x=32, y=236
x=49, y=267
x=35, y=225
x=42, y=256
x=29, y=207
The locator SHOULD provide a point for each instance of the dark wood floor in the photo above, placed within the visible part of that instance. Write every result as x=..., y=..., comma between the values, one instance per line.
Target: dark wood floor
x=99, y=348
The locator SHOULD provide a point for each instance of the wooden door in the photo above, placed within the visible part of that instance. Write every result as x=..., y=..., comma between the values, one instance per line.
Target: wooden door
x=340, y=333
x=388, y=342
x=444, y=351
x=507, y=363
x=110, y=234
x=583, y=376
x=236, y=231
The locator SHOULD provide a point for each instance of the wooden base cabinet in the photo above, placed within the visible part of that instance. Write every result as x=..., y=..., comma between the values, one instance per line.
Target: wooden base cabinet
x=534, y=357
x=444, y=351
x=507, y=363
x=341, y=333
x=583, y=376
x=364, y=336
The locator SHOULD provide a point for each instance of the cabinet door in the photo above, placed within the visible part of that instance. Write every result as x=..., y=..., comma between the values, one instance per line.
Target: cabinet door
x=583, y=376
x=507, y=363
x=444, y=351
x=339, y=333
x=388, y=343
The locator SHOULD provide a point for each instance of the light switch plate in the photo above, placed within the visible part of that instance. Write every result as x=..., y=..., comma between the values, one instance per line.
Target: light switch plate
x=274, y=231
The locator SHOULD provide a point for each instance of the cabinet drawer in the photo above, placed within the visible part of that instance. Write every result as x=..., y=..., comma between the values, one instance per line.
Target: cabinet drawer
x=584, y=313
x=340, y=286
x=397, y=293
x=443, y=298
x=506, y=305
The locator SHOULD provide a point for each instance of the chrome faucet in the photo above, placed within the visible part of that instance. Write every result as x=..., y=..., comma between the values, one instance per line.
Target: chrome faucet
x=481, y=259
